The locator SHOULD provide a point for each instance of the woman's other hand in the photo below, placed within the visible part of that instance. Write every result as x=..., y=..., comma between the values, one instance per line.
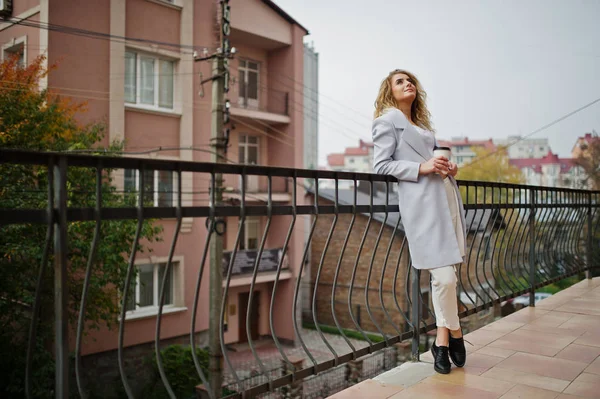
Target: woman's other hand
x=439, y=164
x=452, y=169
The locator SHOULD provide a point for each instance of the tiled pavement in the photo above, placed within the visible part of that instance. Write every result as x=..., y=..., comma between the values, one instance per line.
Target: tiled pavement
x=550, y=351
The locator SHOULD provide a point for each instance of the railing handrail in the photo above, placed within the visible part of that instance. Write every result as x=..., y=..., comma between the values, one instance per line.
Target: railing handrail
x=17, y=156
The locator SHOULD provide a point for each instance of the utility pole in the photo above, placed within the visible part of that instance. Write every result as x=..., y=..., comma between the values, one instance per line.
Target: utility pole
x=219, y=142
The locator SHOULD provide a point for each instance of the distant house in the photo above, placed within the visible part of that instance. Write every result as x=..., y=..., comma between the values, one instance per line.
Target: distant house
x=462, y=148
x=550, y=171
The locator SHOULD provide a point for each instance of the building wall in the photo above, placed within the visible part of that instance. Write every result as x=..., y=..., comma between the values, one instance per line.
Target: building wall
x=311, y=107
x=93, y=70
x=525, y=148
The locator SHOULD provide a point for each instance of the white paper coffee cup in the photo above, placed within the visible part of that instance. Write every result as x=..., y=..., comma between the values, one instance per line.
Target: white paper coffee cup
x=443, y=151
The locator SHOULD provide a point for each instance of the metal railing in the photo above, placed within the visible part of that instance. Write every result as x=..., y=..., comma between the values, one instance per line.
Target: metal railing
x=353, y=255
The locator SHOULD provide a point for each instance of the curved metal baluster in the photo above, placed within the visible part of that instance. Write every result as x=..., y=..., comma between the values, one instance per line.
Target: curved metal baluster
x=395, y=283
x=564, y=245
x=579, y=221
x=523, y=248
x=540, y=234
x=510, y=227
x=479, y=250
x=499, y=275
x=161, y=303
x=368, y=282
x=495, y=245
x=337, y=273
x=253, y=283
x=299, y=279
x=275, y=283
x=521, y=228
x=319, y=269
x=488, y=250
x=547, y=237
x=209, y=233
x=228, y=281
x=571, y=217
x=86, y=282
x=468, y=259
x=385, y=261
x=38, y=288
x=558, y=213
x=130, y=271
x=353, y=278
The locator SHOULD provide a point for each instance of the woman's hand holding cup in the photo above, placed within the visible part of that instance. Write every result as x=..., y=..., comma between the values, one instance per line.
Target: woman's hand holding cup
x=438, y=164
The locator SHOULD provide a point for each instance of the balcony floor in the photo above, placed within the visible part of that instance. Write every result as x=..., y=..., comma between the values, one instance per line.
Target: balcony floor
x=550, y=351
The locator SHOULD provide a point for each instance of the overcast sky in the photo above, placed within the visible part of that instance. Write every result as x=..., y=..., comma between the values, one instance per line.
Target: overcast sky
x=491, y=68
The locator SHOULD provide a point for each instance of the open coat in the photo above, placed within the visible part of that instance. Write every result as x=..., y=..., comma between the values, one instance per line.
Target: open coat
x=399, y=151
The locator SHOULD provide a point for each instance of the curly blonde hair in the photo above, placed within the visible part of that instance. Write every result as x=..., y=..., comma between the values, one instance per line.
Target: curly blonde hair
x=419, y=113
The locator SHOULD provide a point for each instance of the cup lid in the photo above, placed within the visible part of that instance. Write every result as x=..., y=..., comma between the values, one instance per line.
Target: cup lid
x=441, y=148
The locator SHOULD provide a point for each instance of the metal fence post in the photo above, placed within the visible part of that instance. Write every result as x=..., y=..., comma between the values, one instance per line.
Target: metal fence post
x=532, y=198
x=416, y=313
x=61, y=322
x=588, y=255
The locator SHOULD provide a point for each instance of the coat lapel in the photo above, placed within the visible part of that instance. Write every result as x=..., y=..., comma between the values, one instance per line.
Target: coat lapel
x=409, y=134
x=414, y=139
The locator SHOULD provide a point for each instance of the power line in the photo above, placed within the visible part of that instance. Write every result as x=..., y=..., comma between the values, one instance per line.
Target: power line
x=475, y=161
x=97, y=35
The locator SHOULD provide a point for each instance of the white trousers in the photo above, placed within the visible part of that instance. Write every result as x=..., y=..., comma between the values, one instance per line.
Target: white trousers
x=443, y=296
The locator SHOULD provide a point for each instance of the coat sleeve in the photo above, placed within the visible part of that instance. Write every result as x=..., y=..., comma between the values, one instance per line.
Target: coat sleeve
x=385, y=143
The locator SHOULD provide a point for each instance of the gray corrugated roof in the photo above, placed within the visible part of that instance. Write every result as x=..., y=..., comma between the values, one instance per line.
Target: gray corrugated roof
x=476, y=220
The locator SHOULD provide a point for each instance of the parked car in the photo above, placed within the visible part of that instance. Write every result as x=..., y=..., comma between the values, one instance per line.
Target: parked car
x=523, y=300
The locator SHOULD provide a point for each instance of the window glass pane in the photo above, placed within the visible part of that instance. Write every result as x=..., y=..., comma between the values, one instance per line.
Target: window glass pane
x=169, y=287
x=252, y=233
x=165, y=98
x=130, y=76
x=131, y=305
x=252, y=85
x=146, y=279
x=165, y=188
x=253, y=65
x=147, y=80
x=253, y=139
x=149, y=187
x=130, y=176
x=242, y=64
x=242, y=83
x=252, y=155
x=243, y=237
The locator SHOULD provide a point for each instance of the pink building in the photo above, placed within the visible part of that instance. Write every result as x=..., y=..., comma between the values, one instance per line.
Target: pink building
x=144, y=82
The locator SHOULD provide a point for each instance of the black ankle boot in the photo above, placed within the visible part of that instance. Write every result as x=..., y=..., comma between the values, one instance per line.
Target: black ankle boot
x=457, y=350
x=441, y=362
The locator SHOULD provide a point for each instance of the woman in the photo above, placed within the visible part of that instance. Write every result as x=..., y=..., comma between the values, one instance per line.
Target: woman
x=429, y=201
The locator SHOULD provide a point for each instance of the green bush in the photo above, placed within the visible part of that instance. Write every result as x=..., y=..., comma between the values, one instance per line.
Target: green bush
x=179, y=367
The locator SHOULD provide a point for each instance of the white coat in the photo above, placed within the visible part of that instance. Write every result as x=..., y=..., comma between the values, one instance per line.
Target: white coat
x=399, y=151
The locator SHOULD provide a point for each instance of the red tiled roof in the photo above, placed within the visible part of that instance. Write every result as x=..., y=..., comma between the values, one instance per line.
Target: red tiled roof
x=356, y=151
x=549, y=159
x=335, y=159
x=487, y=144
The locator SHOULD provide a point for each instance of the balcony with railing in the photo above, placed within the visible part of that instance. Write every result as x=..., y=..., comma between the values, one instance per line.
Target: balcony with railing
x=343, y=304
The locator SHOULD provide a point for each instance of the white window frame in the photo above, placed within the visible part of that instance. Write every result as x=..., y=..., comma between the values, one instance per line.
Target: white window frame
x=138, y=77
x=251, y=180
x=156, y=192
x=251, y=221
x=18, y=41
x=177, y=289
x=251, y=102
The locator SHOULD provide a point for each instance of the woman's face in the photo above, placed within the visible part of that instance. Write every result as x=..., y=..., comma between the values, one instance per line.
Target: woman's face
x=403, y=88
